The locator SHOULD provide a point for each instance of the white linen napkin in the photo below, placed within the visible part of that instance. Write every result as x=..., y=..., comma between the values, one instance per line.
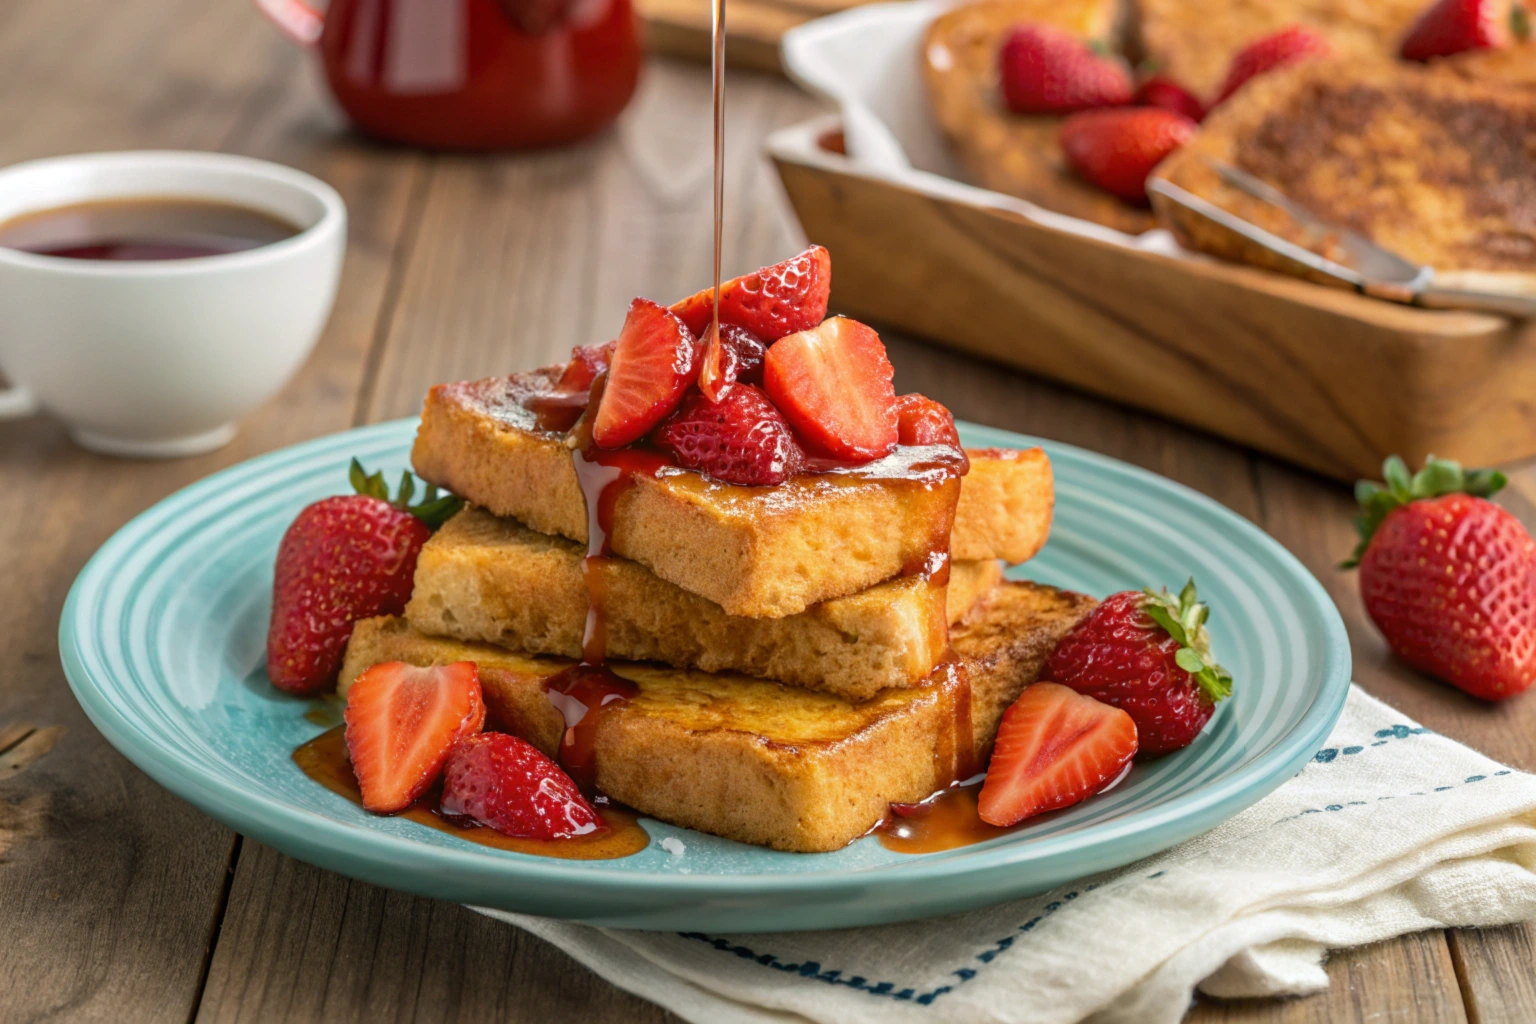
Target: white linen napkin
x=1389, y=829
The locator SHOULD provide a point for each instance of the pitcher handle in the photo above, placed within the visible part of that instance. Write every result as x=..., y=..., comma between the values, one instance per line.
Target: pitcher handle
x=299, y=20
x=16, y=403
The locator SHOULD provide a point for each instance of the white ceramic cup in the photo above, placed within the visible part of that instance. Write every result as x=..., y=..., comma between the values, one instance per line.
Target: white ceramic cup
x=160, y=358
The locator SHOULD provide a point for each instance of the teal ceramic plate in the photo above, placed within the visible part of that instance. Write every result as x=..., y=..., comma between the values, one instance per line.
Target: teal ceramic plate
x=163, y=641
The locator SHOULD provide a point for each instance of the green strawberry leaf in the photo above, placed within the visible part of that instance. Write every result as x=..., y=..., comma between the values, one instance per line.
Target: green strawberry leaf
x=434, y=509
x=1438, y=477
x=1183, y=618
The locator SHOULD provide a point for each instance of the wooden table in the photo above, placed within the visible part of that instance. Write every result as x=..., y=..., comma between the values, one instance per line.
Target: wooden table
x=118, y=902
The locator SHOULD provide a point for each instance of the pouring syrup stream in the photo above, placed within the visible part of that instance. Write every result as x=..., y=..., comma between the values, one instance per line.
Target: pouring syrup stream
x=585, y=691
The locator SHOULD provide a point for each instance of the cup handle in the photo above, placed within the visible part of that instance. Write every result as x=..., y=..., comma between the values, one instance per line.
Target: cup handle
x=16, y=403
x=296, y=19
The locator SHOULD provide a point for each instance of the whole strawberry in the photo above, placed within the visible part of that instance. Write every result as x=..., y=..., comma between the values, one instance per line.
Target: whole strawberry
x=741, y=439
x=1269, y=52
x=1147, y=653
x=1117, y=149
x=341, y=560
x=1045, y=70
x=1454, y=26
x=1448, y=576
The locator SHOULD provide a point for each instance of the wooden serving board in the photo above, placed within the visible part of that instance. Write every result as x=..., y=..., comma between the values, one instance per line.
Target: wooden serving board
x=680, y=28
x=1319, y=376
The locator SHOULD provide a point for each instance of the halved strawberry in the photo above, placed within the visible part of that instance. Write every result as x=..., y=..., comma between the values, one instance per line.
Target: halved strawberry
x=833, y=384
x=772, y=302
x=401, y=723
x=1055, y=748
x=654, y=361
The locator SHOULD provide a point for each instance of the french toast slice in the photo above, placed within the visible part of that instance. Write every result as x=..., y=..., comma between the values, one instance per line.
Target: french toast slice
x=755, y=551
x=491, y=579
x=1193, y=41
x=758, y=761
x=1016, y=154
x=1423, y=160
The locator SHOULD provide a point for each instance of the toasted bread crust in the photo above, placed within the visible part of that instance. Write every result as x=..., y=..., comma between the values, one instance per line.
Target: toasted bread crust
x=757, y=761
x=755, y=551
x=491, y=579
x=1013, y=153
x=1423, y=160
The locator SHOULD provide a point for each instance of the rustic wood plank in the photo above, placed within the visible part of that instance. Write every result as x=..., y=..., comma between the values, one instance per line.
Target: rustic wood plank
x=1494, y=967
x=111, y=888
x=302, y=944
x=1407, y=981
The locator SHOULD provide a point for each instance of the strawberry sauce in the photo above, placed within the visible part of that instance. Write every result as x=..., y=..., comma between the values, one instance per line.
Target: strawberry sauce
x=324, y=759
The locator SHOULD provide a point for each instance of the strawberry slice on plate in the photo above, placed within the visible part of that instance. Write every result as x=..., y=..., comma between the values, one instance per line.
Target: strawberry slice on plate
x=654, y=361
x=833, y=384
x=1054, y=749
x=402, y=722
x=771, y=302
x=505, y=783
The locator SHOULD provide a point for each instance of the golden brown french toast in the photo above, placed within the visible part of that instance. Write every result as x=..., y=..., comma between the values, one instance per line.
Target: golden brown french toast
x=755, y=551
x=491, y=579
x=757, y=761
x=1193, y=41
x=1012, y=153
x=1430, y=163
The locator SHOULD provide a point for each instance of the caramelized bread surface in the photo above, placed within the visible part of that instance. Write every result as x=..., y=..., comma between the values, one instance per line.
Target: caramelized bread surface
x=1434, y=164
x=755, y=551
x=489, y=578
x=1194, y=40
x=1012, y=153
x=758, y=761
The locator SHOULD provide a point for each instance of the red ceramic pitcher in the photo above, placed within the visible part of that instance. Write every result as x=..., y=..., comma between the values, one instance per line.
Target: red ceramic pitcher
x=472, y=74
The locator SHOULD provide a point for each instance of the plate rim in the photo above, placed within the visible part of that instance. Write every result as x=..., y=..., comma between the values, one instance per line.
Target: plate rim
x=256, y=813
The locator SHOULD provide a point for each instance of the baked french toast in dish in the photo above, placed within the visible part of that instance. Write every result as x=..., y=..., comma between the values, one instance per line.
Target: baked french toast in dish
x=1436, y=165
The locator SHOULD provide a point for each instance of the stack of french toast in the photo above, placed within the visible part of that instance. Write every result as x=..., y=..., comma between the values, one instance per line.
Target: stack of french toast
x=771, y=640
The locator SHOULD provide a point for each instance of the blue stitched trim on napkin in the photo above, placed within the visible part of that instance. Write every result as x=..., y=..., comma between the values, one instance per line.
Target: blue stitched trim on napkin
x=812, y=970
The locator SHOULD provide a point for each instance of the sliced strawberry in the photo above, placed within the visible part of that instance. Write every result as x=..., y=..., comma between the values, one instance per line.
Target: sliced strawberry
x=1055, y=748
x=505, y=783
x=401, y=723
x=736, y=354
x=654, y=361
x=559, y=408
x=834, y=386
x=742, y=439
x=1162, y=91
x=775, y=301
x=1270, y=52
x=921, y=420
